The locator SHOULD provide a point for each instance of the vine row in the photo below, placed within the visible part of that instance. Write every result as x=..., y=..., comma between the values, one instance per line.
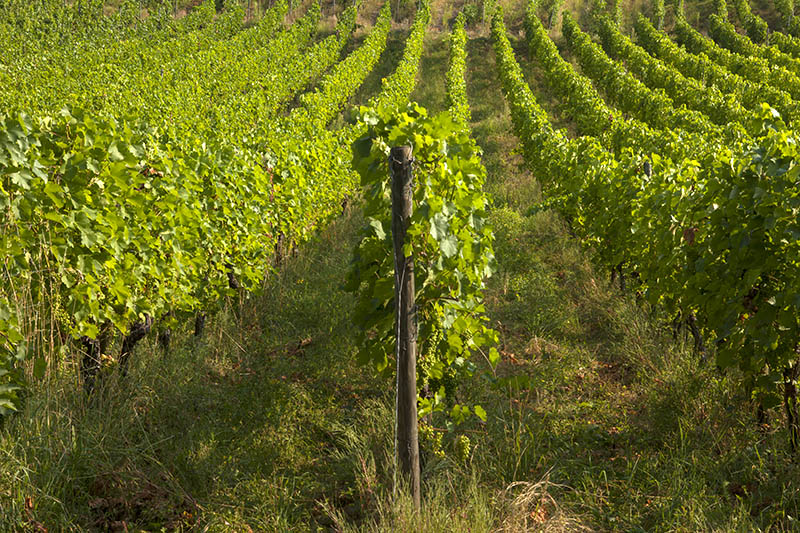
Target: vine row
x=699, y=67
x=755, y=69
x=653, y=72
x=726, y=253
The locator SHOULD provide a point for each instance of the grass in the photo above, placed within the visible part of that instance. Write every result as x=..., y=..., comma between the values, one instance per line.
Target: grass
x=250, y=420
x=598, y=418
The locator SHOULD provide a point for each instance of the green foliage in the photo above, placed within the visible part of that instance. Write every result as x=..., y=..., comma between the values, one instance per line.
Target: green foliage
x=755, y=69
x=683, y=91
x=659, y=10
x=786, y=10
x=614, y=8
x=118, y=219
x=320, y=106
x=749, y=233
x=726, y=35
x=472, y=13
x=721, y=8
x=626, y=92
x=609, y=8
x=124, y=226
x=729, y=253
x=47, y=28
x=581, y=101
x=454, y=81
x=530, y=121
x=291, y=426
x=396, y=88
x=12, y=352
x=448, y=237
x=700, y=67
x=755, y=26
x=288, y=77
x=788, y=44
x=185, y=80
x=551, y=9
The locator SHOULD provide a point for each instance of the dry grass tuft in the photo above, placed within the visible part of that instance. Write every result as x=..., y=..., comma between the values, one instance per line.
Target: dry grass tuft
x=530, y=507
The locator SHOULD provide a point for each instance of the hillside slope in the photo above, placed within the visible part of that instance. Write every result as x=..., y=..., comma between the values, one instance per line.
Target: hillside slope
x=600, y=415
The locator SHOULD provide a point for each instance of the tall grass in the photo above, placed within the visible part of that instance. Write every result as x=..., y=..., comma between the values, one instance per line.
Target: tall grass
x=600, y=418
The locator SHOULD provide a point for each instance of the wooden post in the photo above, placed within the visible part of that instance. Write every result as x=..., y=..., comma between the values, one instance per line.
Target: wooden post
x=790, y=404
x=407, y=442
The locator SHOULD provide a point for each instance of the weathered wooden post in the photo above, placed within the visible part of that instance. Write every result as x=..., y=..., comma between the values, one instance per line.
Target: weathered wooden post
x=407, y=443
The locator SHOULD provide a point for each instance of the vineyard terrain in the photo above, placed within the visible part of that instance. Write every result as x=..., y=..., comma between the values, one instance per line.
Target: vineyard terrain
x=181, y=334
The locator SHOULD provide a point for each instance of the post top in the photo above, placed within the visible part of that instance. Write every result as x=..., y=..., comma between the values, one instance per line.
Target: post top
x=400, y=152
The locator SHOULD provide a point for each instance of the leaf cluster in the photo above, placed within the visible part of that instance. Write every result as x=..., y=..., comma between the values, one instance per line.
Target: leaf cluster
x=755, y=26
x=448, y=238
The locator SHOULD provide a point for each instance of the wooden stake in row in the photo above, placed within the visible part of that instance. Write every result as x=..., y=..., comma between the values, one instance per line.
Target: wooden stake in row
x=407, y=439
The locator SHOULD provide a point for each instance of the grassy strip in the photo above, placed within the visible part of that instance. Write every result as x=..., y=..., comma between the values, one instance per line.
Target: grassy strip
x=601, y=421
